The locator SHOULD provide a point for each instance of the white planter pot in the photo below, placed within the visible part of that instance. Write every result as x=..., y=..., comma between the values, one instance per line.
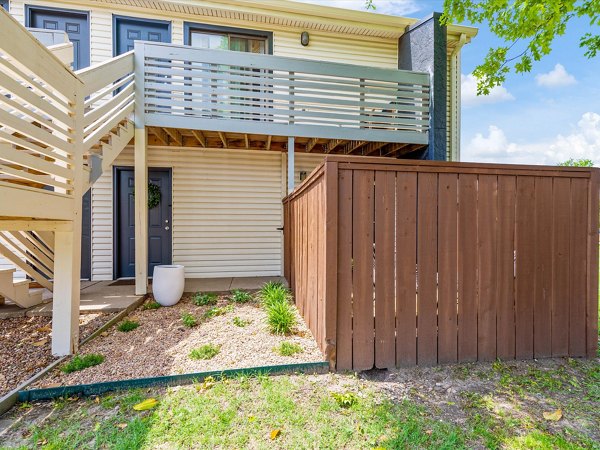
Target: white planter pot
x=167, y=284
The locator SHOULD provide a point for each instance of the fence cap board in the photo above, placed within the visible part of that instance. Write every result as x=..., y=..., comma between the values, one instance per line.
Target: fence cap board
x=463, y=167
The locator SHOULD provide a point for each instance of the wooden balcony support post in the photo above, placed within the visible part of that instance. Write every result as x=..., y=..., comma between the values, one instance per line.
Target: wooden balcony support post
x=141, y=178
x=67, y=251
x=290, y=163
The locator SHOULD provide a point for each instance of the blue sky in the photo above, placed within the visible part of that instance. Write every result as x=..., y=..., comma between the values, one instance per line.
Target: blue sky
x=543, y=117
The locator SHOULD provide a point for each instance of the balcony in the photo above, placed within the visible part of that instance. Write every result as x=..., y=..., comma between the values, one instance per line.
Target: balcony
x=221, y=92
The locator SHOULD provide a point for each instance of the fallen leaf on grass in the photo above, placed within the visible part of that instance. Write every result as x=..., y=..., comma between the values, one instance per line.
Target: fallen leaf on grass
x=146, y=404
x=553, y=416
x=121, y=426
x=275, y=433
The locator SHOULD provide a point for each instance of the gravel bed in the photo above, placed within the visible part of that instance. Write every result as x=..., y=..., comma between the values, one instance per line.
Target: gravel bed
x=161, y=345
x=25, y=346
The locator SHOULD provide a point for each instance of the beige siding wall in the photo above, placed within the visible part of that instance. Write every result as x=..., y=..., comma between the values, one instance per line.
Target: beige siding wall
x=349, y=49
x=226, y=211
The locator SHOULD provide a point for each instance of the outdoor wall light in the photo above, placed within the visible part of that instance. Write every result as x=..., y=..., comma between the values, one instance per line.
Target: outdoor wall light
x=305, y=38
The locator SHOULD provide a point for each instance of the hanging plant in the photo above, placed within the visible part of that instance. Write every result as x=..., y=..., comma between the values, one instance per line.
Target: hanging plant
x=154, y=195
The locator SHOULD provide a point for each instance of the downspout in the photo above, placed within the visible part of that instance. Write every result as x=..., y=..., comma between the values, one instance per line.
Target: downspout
x=455, y=99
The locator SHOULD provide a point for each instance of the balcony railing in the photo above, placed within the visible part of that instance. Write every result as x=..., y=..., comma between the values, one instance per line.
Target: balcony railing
x=217, y=90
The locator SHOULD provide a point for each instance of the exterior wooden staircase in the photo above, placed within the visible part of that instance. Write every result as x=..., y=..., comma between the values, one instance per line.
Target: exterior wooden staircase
x=59, y=131
x=18, y=291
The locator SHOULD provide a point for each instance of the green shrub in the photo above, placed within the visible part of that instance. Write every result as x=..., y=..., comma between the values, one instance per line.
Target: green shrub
x=151, y=305
x=128, y=325
x=189, y=320
x=239, y=322
x=207, y=351
x=280, y=317
x=82, y=362
x=217, y=311
x=272, y=292
x=205, y=298
x=288, y=349
x=240, y=296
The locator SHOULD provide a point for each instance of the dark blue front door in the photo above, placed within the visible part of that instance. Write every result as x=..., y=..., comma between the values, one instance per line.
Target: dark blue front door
x=76, y=25
x=159, y=222
x=128, y=30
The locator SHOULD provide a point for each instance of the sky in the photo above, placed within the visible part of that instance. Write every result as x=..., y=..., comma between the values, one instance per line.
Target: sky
x=543, y=117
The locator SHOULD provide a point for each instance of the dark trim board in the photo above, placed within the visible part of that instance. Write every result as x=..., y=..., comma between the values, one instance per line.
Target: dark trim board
x=117, y=17
x=189, y=26
x=116, y=218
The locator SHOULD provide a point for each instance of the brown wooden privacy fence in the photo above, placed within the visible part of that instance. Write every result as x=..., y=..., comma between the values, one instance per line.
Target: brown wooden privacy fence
x=396, y=263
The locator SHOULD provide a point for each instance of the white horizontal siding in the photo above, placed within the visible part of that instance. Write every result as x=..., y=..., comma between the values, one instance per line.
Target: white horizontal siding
x=306, y=162
x=334, y=47
x=226, y=211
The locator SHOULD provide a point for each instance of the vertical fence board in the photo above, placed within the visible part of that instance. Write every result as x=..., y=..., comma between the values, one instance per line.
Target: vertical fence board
x=311, y=268
x=427, y=269
x=330, y=261
x=467, y=268
x=578, y=267
x=505, y=303
x=406, y=263
x=542, y=307
x=525, y=270
x=561, y=197
x=344, y=272
x=486, y=224
x=447, y=274
x=363, y=347
x=592, y=266
x=385, y=314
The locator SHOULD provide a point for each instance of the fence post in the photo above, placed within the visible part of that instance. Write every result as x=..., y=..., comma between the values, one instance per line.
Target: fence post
x=331, y=260
x=592, y=264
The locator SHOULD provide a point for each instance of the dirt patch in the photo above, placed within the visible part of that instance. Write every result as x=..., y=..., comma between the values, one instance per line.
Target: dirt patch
x=161, y=345
x=25, y=346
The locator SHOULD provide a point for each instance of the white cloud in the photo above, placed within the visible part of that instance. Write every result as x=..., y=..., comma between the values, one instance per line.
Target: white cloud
x=555, y=78
x=468, y=87
x=391, y=7
x=582, y=142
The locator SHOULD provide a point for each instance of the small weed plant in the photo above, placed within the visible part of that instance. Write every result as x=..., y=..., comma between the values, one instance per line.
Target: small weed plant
x=128, y=325
x=240, y=296
x=345, y=399
x=280, y=317
x=82, y=362
x=288, y=349
x=208, y=351
x=217, y=311
x=189, y=320
x=205, y=298
x=150, y=305
x=239, y=322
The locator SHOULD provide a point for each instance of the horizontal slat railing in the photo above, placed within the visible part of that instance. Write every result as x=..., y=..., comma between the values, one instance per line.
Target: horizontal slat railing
x=401, y=263
x=110, y=91
x=37, y=98
x=240, y=92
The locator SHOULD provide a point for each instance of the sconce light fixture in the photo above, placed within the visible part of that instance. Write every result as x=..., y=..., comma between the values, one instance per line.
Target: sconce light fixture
x=304, y=38
x=303, y=175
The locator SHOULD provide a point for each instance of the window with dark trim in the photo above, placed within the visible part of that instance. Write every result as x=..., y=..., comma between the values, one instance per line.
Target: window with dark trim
x=228, y=38
x=4, y=4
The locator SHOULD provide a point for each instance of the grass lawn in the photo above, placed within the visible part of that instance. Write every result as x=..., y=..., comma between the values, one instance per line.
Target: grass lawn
x=465, y=406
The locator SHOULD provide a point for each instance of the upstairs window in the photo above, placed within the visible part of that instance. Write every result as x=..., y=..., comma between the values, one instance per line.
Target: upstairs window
x=227, y=41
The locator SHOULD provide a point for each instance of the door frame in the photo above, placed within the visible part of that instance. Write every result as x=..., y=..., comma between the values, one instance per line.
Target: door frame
x=117, y=17
x=115, y=214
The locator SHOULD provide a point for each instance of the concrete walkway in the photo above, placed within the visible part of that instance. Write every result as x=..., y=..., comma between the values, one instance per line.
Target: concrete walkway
x=111, y=296
x=96, y=297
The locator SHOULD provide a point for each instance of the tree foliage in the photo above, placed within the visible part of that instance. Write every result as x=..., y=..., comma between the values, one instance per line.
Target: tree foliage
x=582, y=162
x=528, y=29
